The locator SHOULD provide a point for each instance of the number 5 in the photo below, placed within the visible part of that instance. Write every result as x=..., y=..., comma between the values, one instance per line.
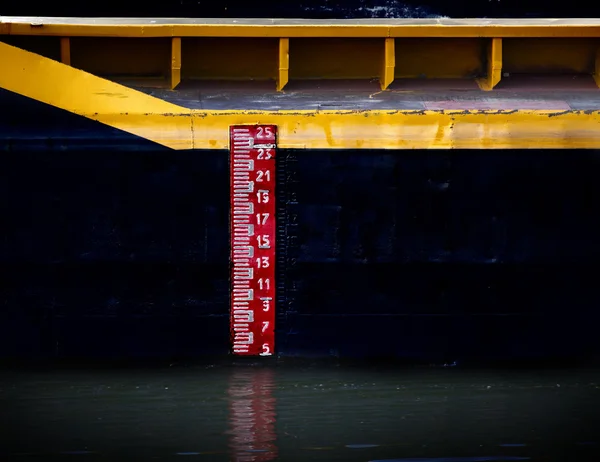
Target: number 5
x=266, y=351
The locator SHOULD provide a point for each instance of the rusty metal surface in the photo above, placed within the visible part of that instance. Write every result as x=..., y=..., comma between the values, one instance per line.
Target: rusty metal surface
x=556, y=93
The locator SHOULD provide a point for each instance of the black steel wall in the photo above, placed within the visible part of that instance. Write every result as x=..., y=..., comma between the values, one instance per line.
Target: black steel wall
x=443, y=255
x=113, y=247
x=323, y=9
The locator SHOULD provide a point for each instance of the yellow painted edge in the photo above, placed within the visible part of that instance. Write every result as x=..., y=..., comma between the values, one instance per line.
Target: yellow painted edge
x=301, y=30
x=175, y=62
x=176, y=127
x=377, y=129
x=65, y=50
x=284, y=63
x=391, y=129
x=389, y=63
x=494, y=65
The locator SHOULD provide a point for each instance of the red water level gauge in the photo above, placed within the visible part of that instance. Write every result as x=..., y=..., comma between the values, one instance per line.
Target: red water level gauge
x=252, y=172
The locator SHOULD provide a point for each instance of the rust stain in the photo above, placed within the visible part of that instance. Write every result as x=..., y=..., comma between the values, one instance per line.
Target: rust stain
x=114, y=95
x=559, y=113
x=328, y=134
x=439, y=135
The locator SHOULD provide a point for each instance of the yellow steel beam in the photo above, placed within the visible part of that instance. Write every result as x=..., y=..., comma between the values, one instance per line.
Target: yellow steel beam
x=175, y=62
x=440, y=55
x=494, y=65
x=376, y=129
x=548, y=56
x=389, y=63
x=144, y=27
x=62, y=86
x=65, y=50
x=335, y=58
x=227, y=58
x=284, y=63
x=439, y=58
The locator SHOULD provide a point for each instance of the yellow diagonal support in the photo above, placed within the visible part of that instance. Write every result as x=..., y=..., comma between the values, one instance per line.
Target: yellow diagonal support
x=76, y=91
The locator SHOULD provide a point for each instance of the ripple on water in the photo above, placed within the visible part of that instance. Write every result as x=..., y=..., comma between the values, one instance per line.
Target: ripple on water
x=456, y=459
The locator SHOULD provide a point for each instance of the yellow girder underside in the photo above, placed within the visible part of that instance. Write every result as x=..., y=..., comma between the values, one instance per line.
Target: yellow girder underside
x=176, y=127
x=251, y=27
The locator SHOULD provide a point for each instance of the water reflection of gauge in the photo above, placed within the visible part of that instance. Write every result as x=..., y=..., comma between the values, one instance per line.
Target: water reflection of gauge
x=252, y=416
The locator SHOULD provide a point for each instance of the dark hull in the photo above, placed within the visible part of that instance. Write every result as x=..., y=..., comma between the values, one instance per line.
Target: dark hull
x=113, y=246
x=321, y=9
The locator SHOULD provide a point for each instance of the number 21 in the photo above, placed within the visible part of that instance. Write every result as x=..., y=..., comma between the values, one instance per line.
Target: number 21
x=266, y=174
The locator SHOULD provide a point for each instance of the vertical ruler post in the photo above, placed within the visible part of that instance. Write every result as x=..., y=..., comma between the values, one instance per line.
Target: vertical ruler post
x=253, y=227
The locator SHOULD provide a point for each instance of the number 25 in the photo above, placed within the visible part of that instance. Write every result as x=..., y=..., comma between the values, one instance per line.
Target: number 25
x=265, y=133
